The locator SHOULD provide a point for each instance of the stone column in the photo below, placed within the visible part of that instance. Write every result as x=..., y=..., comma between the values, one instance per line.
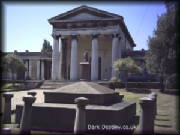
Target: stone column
x=7, y=108
x=80, y=120
x=120, y=48
x=42, y=70
x=115, y=43
x=60, y=60
x=30, y=68
x=38, y=70
x=146, y=117
x=25, y=125
x=55, y=57
x=94, y=60
x=74, y=59
x=26, y=73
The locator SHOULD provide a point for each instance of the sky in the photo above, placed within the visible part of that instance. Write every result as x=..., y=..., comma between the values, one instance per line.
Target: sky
x=26, y=25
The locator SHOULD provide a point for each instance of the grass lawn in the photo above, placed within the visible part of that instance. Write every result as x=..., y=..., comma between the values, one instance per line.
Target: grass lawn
x=166, y=121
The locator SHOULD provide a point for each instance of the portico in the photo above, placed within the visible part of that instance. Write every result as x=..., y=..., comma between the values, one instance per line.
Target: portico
x=103, y=35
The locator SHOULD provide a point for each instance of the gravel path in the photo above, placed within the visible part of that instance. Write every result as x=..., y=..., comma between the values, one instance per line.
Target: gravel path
x=18, y=95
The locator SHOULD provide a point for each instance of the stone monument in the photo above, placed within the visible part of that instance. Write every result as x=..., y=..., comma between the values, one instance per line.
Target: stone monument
x=85, y=68
x=58, y=112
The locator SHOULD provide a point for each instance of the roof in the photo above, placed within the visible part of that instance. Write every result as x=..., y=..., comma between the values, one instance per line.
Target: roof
x=91, y=14
x=84, y=88
x=94, y=11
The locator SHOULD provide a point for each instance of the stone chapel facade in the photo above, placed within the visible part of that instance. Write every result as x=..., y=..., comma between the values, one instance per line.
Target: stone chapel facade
x=102, y=34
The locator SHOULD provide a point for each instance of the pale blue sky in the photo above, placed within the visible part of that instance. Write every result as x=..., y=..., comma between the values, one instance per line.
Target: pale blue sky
x=26, y=25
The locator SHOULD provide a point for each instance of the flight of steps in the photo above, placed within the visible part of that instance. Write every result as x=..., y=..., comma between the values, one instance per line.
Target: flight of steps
x=50, y=84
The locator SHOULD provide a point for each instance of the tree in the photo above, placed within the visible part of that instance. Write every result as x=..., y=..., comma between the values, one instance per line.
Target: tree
x=161, y=56
x=12, y=63
x=126, y=66
x=46, y=46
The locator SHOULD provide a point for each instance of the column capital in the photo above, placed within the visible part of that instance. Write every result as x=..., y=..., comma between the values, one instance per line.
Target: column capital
x=115, y=35
x=74, y=36
x=55, y=36
x=95, y=35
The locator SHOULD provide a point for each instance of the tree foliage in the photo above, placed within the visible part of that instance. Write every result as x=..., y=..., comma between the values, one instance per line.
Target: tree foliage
x=46, y=46
x=126, y=66
x=12, y=63
x=161, y=56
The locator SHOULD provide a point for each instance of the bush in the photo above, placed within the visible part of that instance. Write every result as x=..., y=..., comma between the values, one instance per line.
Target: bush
x=115, y=79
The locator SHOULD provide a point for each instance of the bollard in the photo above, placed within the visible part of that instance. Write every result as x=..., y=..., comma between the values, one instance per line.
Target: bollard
x=147, y=117
x=153, y=99
x=7, y=108
x=32, y=93
x=25, y=125
x=80, y=119
x=155, y=95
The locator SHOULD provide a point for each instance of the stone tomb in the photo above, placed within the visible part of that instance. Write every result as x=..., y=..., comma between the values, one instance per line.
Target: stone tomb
x=105, y=107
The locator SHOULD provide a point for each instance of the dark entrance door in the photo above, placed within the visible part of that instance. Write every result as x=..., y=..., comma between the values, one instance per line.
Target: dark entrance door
x=47, y=70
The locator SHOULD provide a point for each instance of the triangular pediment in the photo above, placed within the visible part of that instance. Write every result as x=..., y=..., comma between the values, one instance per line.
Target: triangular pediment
x=84, y=13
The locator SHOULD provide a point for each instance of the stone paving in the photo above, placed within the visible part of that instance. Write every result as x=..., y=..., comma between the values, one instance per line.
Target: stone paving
x=18, y=95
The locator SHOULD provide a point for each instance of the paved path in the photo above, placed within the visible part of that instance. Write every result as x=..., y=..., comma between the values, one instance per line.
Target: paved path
x=18, y=95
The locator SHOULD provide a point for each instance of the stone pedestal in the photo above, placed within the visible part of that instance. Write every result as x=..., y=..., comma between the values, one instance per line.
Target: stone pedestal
x=146, y=117
x=80, y=120
x=7, y=108
x=25, y=125
x=85, y=71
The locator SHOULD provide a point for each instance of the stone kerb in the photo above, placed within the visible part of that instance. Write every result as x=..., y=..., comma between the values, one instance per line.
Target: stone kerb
x=25, y=125
x=7, y=108
x=147, y=116
x=80, y=119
